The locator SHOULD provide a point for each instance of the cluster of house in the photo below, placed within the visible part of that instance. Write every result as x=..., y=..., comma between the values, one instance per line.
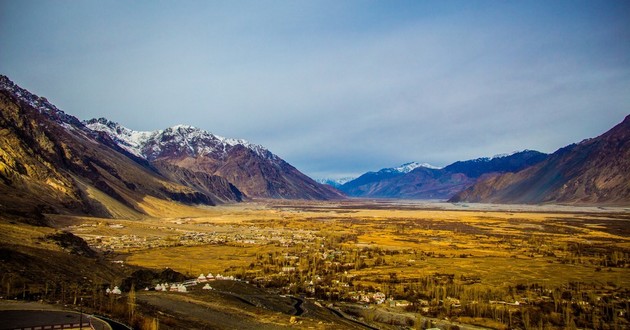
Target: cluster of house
x=115, y=290
x=173, y=287
x=178, y=236
x=206, y=278
x=182, y=287
x=377, y=297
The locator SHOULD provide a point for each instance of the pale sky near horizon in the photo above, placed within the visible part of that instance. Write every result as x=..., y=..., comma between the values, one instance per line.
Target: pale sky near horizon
x=336, y=88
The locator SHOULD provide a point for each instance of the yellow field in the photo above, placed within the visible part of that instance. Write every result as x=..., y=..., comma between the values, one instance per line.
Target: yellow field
x=566, y=265
x=197, y=259
x=499, y=247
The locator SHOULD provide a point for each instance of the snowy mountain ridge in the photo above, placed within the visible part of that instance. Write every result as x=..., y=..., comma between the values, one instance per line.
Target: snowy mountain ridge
x=408, y=167
x=150, y=145
x=335, y=182
x=40, y=103
x=500, y=156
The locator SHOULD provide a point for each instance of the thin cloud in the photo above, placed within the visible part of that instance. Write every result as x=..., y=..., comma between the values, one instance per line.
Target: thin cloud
x=335, y=88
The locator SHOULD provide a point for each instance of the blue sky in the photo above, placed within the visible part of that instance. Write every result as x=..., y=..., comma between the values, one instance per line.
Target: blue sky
x=336, y=88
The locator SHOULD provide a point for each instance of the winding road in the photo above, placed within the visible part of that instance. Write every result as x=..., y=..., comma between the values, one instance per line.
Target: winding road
x=344, y=316
x=298, y=306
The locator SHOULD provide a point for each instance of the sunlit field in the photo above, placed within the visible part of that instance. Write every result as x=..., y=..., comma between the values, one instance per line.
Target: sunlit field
x=546, y=266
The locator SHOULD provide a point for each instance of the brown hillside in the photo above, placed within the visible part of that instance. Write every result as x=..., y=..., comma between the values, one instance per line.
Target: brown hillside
x=594, y=171
x=51, y=163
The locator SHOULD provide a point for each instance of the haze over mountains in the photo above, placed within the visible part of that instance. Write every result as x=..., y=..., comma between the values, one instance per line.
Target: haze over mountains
x=51, y=162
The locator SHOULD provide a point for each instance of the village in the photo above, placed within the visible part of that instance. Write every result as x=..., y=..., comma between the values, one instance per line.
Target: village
x=429, y=296
x=438, y=269
x=330, y=281
x=174, y=236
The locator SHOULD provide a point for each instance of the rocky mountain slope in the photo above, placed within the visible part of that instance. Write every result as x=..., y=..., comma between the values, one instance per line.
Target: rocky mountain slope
x=423, y=181
x=594, y=171
x=513, y=162
x=252, y=169
x=51, y=163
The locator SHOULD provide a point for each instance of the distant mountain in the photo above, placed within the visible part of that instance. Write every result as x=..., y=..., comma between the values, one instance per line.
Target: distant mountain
x=423, y=181
x=408, y=167
x=594, y=171
x=252, y=169
x=50, y=162
x=498, y=164
x=364, y=185
x=378, y=184
x=336, y=183
x=376, y=176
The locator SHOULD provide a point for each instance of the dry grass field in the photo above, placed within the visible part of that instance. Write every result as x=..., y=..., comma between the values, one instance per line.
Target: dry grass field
x=443, y=259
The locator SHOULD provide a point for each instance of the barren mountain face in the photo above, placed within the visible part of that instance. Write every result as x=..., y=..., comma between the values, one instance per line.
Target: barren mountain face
x=594, y=171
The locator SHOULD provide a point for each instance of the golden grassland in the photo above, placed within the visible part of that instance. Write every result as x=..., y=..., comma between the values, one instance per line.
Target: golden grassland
x=27, y=235
x=198, y=259
x=427, y=252
x=500, y=247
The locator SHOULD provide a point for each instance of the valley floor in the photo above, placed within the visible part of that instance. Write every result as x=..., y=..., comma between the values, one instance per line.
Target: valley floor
x=382, y=263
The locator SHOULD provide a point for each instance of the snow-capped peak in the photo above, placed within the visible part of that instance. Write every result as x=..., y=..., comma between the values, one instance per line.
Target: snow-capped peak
x=335, y=182
x=130, y=140
x=178, y=139
x=408, y=167
x=503, y=155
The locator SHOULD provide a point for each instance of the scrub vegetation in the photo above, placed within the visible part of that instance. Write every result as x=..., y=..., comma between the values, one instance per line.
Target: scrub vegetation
x=381, y=263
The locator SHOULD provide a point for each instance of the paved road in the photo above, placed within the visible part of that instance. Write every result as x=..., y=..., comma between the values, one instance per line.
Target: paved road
x=15, y=319
x=114, y=324
x=298, y=306
x=344, y=316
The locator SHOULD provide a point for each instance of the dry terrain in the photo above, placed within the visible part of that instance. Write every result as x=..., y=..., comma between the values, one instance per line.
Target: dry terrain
x=438, y=260
x=366, y=263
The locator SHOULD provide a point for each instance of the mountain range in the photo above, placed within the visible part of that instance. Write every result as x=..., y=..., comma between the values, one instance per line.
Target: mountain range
x=423, y=181
x=51, y=162
x=254, y=170
x=595, y=171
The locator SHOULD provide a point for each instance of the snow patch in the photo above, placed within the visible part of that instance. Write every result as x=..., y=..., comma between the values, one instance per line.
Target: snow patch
x=504, y=155
x=335, y=182
x=408, y=167
x=180, y=138
x=130, y=140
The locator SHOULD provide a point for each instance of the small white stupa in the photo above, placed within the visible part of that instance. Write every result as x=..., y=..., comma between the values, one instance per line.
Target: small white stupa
x=202, y=278
x=207, y=287
x=116, y=290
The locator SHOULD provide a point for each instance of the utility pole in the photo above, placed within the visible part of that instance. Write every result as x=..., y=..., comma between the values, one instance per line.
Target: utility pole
x=81, y=314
